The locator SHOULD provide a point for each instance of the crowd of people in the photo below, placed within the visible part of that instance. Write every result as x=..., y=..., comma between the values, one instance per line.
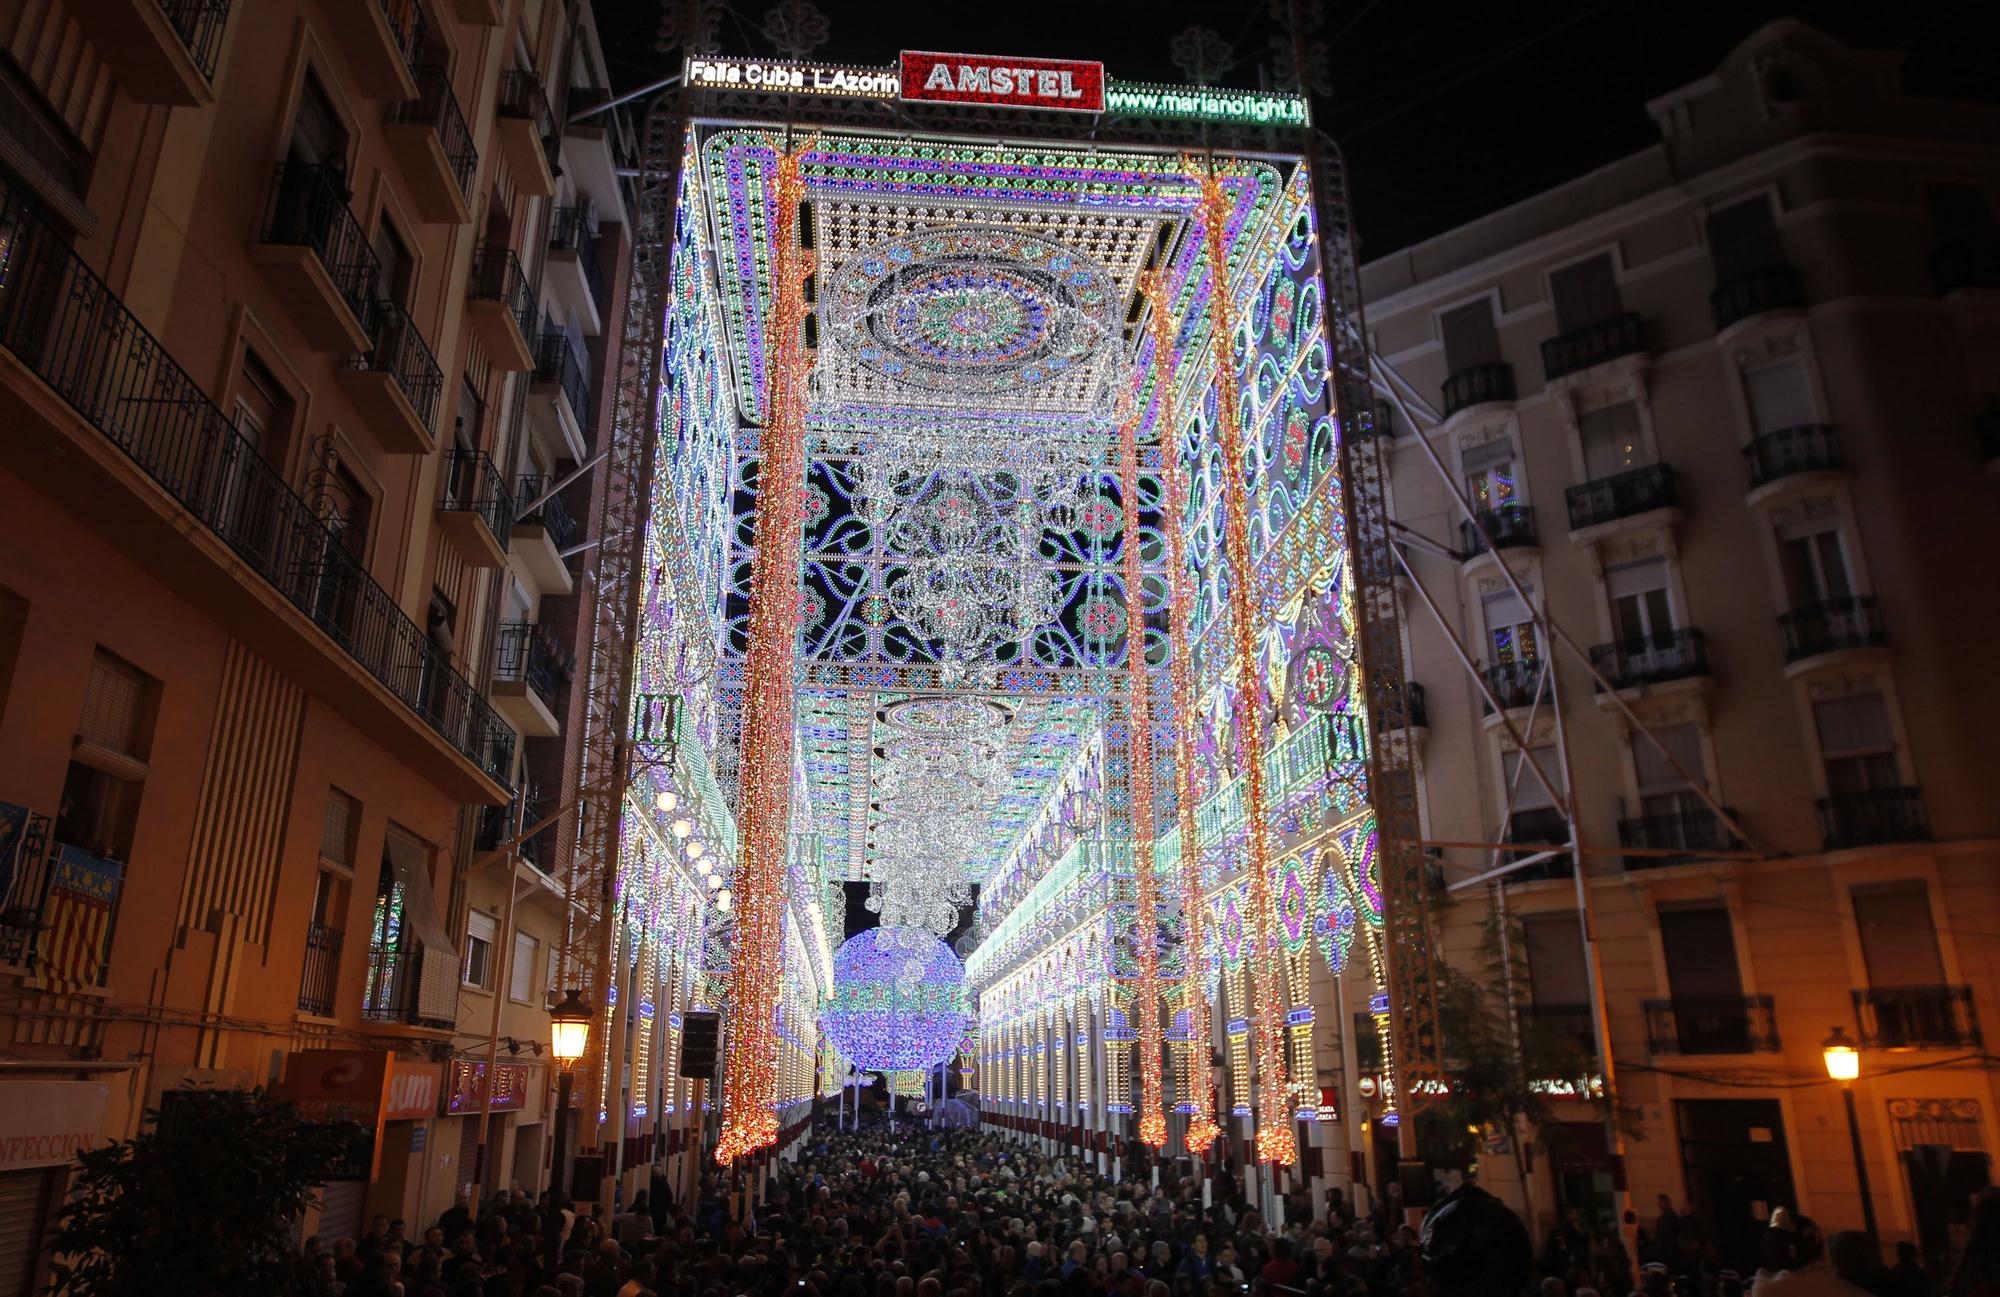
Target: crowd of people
x=914, y=1212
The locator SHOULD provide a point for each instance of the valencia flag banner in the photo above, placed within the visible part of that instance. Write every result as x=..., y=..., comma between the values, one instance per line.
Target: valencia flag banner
x=82, y=898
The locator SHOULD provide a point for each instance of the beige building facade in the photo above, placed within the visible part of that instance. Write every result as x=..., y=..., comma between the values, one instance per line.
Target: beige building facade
x=1726, y=410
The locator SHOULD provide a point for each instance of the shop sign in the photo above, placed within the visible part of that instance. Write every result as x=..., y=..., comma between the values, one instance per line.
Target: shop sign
x=784, y=76
x=413, y=1090
x=1067, y=85
x=47, y=1123
x=1205, y=104
x=1329, y=1103
x=466, y=1090
x=342, y=1085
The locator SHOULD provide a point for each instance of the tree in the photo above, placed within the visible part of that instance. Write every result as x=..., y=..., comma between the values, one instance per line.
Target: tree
x=202, y=1201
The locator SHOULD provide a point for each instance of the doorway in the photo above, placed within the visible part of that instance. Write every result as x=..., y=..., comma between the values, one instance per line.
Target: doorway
x=1739, y=1170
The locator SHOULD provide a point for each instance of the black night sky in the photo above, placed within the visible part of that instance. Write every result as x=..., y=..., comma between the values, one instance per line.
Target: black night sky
x=1445, y=111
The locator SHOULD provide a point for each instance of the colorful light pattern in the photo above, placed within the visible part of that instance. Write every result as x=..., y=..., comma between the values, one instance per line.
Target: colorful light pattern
x=899, y=1001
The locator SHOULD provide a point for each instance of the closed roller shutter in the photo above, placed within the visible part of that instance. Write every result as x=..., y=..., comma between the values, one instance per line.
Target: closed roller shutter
x=340, y=1210
x=25, y=1198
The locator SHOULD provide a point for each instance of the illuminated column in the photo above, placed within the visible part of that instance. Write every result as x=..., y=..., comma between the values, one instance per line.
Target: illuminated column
x=1275, y=1140
x=748, y=1120
x=1201, y=1129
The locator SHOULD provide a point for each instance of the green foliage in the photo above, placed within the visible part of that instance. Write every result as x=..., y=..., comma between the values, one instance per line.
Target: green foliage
x=202, y=1202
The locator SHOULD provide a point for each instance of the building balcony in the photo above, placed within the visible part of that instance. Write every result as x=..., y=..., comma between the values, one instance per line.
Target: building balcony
x=1512, y=526
x=434, y=149
x=500, y=307
x=1788, y=452
x=1873, y=817
x=1722, y=1024
x=1417, y=717
x=529, y=137
x=384, y=44
x=1757, y=292
x=1832, y=626
x=1689, y=834
x=1478, y=385
x=475, y=509
x=541, y=534
x=317, y=257
x=1594, y=344
x=1637, y=491
x=109, y=427
x=396, y=384
x=319, y=979
x=1966, y=263
x=484, y=13
x=1561, y=1023
x=1513, y=683
x=1542, y=826
x=574, y=267
x=498, y=824
x=1917, y=1017
x=559, y=396
x=529, y=673
x=1678, y=654
x=161, y=51
x=43, y=863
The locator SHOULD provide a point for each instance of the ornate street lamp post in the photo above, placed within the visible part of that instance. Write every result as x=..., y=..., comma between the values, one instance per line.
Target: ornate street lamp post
x=1843, y=1064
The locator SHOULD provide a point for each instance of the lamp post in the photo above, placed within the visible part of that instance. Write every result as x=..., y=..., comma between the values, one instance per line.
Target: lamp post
x=1843, y=1064
x=569, y=1033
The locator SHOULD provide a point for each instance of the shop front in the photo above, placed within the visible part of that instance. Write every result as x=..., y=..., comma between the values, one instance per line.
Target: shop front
x=43, y=1126
x=510, y=1098
x=391, y=1099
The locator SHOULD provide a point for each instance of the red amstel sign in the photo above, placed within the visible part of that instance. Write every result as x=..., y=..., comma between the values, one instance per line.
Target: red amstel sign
x=1070, y=85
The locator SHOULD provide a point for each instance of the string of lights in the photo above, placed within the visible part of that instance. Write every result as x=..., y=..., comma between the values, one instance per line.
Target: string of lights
x=1139, y=723
x=1276, y=1141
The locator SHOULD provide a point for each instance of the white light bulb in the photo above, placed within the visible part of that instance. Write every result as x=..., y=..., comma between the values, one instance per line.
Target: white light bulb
x=714, y=881
x=694, y=849
x=702, y=867
x=722, y=900
x=666, y=801
x=682, y=828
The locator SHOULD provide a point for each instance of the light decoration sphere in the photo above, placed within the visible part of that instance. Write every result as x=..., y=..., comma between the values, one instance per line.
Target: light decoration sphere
x=899, y=1000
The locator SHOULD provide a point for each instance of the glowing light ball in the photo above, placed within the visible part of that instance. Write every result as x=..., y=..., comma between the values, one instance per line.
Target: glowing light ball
x=899, y=1001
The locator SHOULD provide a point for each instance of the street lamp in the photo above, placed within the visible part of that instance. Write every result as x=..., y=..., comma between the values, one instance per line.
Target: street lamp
x=1843, y=1064
x=569, y=1034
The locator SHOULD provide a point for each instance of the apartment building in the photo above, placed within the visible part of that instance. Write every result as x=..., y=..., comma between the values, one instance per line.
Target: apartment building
x=1726, y=410
x=302, y=305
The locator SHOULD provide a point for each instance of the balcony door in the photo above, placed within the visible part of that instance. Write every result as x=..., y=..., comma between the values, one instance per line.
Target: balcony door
x=1612, y=441
x=1469, y=336
x=1642, y=612
x=1907, y=997
x=1510, y=628
x=1492, y=480
x=1815, y=566
x=1742, y=238
x=1703, y=980
x=1585, y=294
x=1780, y=396
x=1857, y=744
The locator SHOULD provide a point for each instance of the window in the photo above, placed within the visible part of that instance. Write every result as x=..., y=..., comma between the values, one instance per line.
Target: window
x=1701, y=953
x=1662, y=790
x=318, y=135
x=471, y=416
x=1612, y=443
x=521, y=977
x=107, y=769
x=1898, y=938
x=1815, y=566
x=1529, y=794
x=399, y=268
x=1780, y=396
x=1510, y=628
x=1469, y=338
x=1585, y=293
x=336, y=841
x=1556, y=975
x=13, y=629
x=1856, y=744
x=1490, y=476
x=1742, y=238
x=388, y=951
x=1641, y=615
x=480, y=933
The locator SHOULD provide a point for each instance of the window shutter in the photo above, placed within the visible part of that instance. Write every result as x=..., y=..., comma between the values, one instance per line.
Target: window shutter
x=437, y=987
x=1504, y=609
x=1556, y=972
x=1655, y=775
x=1780, y=396
x=481, y=926
x=1529, y=795
x=1853, y=725
x=409, y=857
x=111, y=706
x=1469, y=338
x=336, y=842
x=1742, y=238
x=1585, y=293
x=521, y=977
x=1636, y=578
x=1611, y=440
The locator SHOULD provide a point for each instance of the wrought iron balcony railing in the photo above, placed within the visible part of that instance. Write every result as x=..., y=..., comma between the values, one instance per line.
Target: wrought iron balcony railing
x=523, y=95
x=1478, y=384
x=525, y=651
x=1689, y=833
x=1512, y=526
x=1419, y=716
x=557, y=363
x=49, y=872
x=309, y=209
x=1807, y=448
x=1638, y=490
x=1513, y=683
x=552, y=514
x=471, y=484
x=575, y=229
x=1917, y=1017
x=1873, y=817
x=1593, y=344
x=67, y=328
x=437, y=107
x=1724, y=1024
x=199, y=24
x=1543, y=825
x=400, y=351
x=497, y=276
x=1678, y=654
x=1831, y=625
x=409, y=29
x=319, y=979
x=1769, y=288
